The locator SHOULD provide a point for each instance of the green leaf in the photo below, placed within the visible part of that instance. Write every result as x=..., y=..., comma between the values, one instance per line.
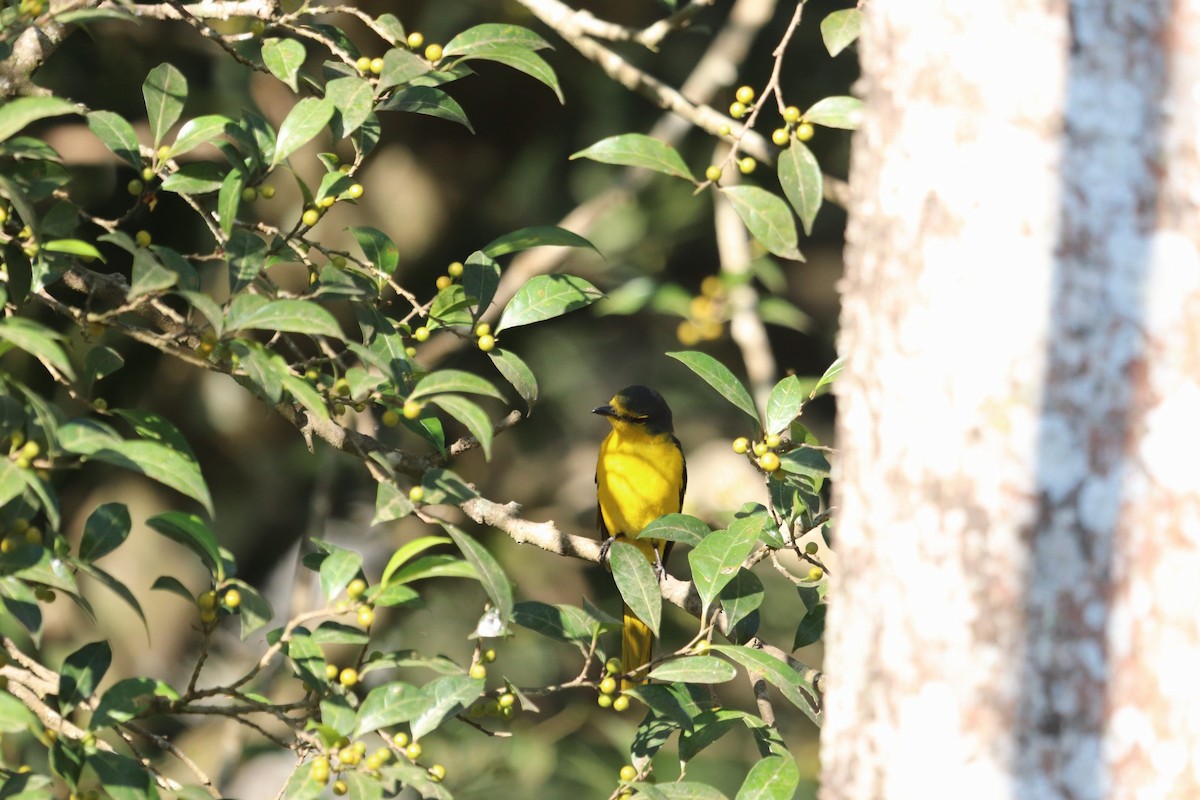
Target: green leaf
x=378, y=249
x=127, y=699
x=81, y=673
x=445, y=697
x=805, y=461
x=148, y=275
x=16, y=114
x=166, y=583
x=73, y=247
x=695, y=669
x=294, y=316
x=301, y=785
x=638, y=150
x=165, y=91
x=123, y=778
x=741, y=597
x=491, y=575
x=536, y=236
x=37, y=340
x=307, y=659
x=811, y=627
x=198, y=131
x=228, y=199
x=518, y=374
x=716, y=560
x=772, y=778
x=400, y=65
x=390, y=503
x=428, y=101
x=784, y=405
x=768, y=219
x=353, y=99
x=482, y=37
x=779, y=674
x=836, y=112
x=480, y=279
x=105, y=530
x=165, y=465
x=116, y=587
x=284, y=57
x=12, y=481
x=117, y=135
x=678, y=790
x=255, y=611
x=453, y=380
x=518, y=57
x=544, y=297
x=338, y=568
x=840, y=28
x=407, y=552
x=302, y=124
x=677, y=528
x=15, y=717
x=663, y=701
x=829, y=377
x=562, y=622
x=718, y=376
x=474, y=418
x=387, y=705
x=637, y=583
x=436, y=566
x=304, y=394
x=801, y=180
x=191, y=532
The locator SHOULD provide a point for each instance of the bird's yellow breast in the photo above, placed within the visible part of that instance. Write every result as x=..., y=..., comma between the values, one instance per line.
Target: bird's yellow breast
x=638, y=478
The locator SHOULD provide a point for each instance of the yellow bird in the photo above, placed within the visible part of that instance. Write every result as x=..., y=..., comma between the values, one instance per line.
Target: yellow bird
x=640, y=476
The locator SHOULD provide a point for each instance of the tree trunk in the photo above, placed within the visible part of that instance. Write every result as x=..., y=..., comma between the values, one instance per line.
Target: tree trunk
x=1019, y=417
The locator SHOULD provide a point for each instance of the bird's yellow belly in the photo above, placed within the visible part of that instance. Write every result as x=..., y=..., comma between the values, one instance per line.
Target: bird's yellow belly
x=637, y=483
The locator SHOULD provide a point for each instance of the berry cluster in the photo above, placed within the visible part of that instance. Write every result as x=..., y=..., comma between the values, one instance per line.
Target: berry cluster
x=368, y=66
x=761, y=453
x=707, y=314
x=608, y=688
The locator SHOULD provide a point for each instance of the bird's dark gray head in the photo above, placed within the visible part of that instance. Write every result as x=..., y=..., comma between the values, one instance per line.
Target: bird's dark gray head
x=639, y=405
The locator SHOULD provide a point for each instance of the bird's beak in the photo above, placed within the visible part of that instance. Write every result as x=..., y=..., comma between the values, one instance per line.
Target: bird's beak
x=605, y=411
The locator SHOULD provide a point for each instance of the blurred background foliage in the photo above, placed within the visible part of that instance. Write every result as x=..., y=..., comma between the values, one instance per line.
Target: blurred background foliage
x=441, y=192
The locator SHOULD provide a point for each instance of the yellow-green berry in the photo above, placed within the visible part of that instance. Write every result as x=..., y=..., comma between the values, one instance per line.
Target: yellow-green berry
x=811, y=548
x=412, y=409
x=487, y=343
x=444, y=282
x=737, y=110
x=629, y=773
x=478, y=671
x=232, y=598
x=348, y=677
x=363, y=64
x=366, y=616
x=791, y=114
x=310, y=217
x=780, y=136
x=134, y=187
x=772, y=440
x=249, y=194
x=413, y=751
x=804, y=131
x=723, y=130
x=376, y=65
x=621, y=703
x=421, y=333
x=331, y=672
x=390, y=418
x=355, y=588
x=437, y=773
x=355, y=191
x=744, y=95
x=608, y=685
x=815, y=573
x=769, y=461
x=267, y=191
x=416, y=494
x=455, y=269
x=741, y=445
x=433, y=52
x=713, y=173
x=142, y=238
x=415, y=39
x=604, y=701
x=319, y=771
x=747, y=165
x=400, y=739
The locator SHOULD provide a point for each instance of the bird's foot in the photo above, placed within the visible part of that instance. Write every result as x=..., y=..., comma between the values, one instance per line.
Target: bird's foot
x=605, y=546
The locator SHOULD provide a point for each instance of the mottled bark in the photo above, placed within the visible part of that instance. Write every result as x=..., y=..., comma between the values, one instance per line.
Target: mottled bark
x=1017, y=508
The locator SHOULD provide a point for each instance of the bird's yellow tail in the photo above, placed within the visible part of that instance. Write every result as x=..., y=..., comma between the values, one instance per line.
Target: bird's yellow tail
x=636, y=643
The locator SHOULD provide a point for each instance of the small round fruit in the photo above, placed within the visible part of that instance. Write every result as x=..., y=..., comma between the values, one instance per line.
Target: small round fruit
x=400, y=739
x=744, y=94
x=421, y=333
x=455, y=269
x=613, y=666
x=331, y=672
x=483, y=329
x=433, y=52
x=412, y=409
x=319, y=771
x=761, y=449
x=267, y=191
x=478, y=671
x=147, y=173
x=608, y=685
x=444, y=281
x=348, y=677
x=341, y=387
x=791, y=114
x=629, y=773
x=162, y=152
x=488, y=656
x=437, y=773
x=713, y=173
x=621, y=703
x=413, y=751
x=382, y=755
x=737, y=110
x=363, y=64
x=772, y=440
x=416, y=494
x=747, y=165
x=604, y=701
x=355, y=588
x=390, y=418
x=134, y=187
x=143, y=238
x=723, y=130
x=804, y=131
x=741, y=445
x=355, y=191
x=507, y=700
x=366, y=616
x=310, y=217
x=487, y=343
x=702, y=648
x=207, y=600
x=348, y=756
x=340, y=787
x=811, y=548
x=781, y=137
x=326, y=202
x=769, y=462
x=376, y=66
x=232, y=598
x=815, y=573
x=249, y=194
x=416, y=39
